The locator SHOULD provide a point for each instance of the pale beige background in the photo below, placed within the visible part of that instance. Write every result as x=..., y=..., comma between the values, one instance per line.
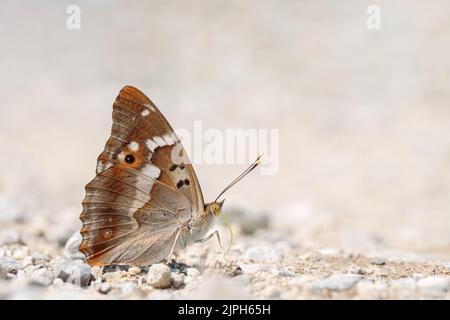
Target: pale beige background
x=363, y=115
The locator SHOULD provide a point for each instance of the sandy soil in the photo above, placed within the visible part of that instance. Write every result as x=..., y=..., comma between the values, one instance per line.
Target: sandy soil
x=262, y=263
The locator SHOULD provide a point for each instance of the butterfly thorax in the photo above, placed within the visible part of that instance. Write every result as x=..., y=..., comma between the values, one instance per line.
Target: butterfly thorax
x=200, y=225
x=205, y=221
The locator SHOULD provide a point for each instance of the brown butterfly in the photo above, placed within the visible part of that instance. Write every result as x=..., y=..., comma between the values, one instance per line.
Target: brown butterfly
x=142, y=205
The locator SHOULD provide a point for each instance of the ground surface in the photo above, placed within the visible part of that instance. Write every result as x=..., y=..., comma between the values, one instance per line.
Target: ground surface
x=262, y=263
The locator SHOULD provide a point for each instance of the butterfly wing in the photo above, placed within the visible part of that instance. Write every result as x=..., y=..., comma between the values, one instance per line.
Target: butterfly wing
x=140, y=199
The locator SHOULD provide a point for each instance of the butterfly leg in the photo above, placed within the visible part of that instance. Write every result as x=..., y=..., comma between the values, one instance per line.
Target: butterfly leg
x=209, y=236
x=169, y=257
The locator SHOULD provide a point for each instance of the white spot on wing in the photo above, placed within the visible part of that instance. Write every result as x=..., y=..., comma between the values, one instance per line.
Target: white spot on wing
x=121, y=156
x=133, y=146
x=151, y=171
x=160, y=141
x=152, y=108
x=151, y=145
x=168, y=139
x=103, y=166
x=145, y=112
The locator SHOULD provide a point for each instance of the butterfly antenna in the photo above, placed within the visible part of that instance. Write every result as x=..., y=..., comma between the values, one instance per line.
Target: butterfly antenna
x=225, y=221
x=243, y=174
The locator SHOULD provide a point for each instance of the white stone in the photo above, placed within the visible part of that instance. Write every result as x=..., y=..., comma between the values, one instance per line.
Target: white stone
x=71, y=249
x=104, y=288
x=192, y=272
x=128, y=288
x=43, y=276
x=20, y=254
x=177, y=279
x=9, y=264
x=335, y=282
x=134, y=271
x=73, y=272
x=354, y=269
x=97, y=273
x=28, y=261
x=159, y=276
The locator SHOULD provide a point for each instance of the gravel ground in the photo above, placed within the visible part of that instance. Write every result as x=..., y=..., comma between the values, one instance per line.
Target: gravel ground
x=262, y=263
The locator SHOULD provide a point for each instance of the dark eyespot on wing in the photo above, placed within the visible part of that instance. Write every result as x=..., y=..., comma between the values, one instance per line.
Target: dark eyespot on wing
x=129, y=158
x=180, y=184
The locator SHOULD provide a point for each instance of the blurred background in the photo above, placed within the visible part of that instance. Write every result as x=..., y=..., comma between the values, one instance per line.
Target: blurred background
x=363, y=114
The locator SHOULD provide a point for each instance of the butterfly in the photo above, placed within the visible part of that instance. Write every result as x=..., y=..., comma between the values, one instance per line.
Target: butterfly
x=145, y=202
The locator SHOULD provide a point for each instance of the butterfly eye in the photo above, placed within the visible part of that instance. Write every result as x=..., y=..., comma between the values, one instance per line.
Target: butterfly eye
x=216, y=209
x=130, y=158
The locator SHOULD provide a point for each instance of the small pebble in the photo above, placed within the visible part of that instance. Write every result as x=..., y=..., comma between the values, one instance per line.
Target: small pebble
x=104, y=288
x=21, y=274
x=9, y=264
x=378, y=261
x=73, y=272
x=38, y=256
x=71, y=248
x=159, y=276
x=128, y=288
x=134, y=271
x=192, y=272
x=177, y=279
x=97, y=273
x=354, y=269
x=335, y=282
x=20, y=254
x=28, y=261
x=43, y=276
x=224, y=264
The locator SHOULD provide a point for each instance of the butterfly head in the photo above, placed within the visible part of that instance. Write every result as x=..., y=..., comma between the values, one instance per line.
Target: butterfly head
x=215, y=207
